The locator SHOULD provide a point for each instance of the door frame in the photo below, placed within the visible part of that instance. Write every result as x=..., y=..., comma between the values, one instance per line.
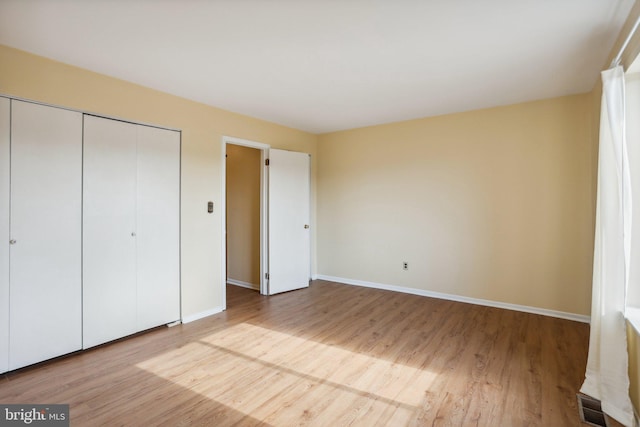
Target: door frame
x=264, y=249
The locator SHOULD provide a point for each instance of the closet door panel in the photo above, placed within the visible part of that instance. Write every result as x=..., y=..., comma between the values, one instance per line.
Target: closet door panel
x=158, y=211
x=109, y=242
x=5, y=150
x=45, y=260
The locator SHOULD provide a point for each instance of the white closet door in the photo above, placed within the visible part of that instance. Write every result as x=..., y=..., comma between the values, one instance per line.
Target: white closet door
x=109, y=242
x=158, y=231
x=45, y=260
x=289, y=236
x=4, y=232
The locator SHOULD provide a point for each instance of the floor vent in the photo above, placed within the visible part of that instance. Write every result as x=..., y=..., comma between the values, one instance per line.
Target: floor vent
x=591, y=411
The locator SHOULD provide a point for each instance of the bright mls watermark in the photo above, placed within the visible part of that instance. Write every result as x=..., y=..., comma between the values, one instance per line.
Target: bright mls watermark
x=34, y=415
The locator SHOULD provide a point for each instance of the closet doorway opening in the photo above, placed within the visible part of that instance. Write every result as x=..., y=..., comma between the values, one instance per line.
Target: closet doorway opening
x=245, y=215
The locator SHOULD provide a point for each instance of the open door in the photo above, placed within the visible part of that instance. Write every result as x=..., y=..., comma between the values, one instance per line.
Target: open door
x=289, y=233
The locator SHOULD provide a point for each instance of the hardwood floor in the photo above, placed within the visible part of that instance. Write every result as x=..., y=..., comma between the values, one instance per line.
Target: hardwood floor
x=328, y=355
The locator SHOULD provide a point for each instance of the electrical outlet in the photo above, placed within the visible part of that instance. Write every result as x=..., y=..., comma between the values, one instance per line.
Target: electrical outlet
x=405, y=265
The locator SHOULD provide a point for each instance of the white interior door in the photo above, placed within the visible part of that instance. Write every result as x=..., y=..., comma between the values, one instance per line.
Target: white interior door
x=289, y=233
x=45, y=258
x=158, y=227
x=109, y=230
x=4, y=232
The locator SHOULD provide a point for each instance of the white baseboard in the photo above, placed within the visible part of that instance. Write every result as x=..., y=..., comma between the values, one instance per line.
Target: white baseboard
x=242, y=284
x=459, y=298
x=197, y=316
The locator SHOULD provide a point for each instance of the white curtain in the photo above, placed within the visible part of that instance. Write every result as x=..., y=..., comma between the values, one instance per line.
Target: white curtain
x=606, y=377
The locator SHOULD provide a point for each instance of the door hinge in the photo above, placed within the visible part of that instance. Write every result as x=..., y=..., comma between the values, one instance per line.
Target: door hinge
x=266, y=276
x=266, y=162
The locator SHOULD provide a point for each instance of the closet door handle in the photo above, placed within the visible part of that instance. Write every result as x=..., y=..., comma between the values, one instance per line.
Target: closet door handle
x=12, y=242
x=133, y=234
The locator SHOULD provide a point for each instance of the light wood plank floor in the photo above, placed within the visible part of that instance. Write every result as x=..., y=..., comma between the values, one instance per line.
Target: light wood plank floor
x=329, y=355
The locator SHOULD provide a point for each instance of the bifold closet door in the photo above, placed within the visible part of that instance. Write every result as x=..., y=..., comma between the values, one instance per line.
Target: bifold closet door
x=5, y=114
x=158, y=226
x=45, y=313
x=109, y=230
x=131, y=228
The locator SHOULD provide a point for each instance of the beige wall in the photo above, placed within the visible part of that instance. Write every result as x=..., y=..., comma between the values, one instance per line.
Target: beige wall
x=243, y=214
x=493, y=204
x=36, y=78
x=487, y=204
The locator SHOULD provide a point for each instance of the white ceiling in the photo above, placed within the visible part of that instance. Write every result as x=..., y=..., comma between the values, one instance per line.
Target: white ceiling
x=325, y=65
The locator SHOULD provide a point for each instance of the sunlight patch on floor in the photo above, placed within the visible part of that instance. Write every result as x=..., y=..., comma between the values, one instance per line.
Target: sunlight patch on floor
x=260, y=372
